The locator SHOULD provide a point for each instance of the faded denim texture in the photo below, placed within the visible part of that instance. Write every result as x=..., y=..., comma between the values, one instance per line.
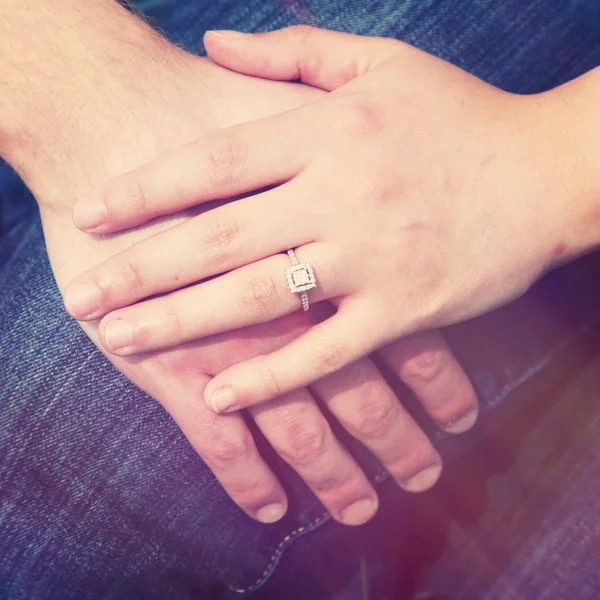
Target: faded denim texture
x=100, y=494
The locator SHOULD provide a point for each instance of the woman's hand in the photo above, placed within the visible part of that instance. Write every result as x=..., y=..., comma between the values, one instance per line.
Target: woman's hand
x=418, y=193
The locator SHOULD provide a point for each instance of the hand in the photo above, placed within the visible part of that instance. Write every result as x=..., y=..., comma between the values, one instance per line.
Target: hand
x=176, y=378
x=414, y=189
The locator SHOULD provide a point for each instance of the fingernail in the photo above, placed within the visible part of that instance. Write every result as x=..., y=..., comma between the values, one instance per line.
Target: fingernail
x=89, y=214
x=83, y=299
x=463, y=423
x=270, y=513
x=228, y=33
x=223, y=400
x=423, y=480
x=118, y=334
x=359, y=512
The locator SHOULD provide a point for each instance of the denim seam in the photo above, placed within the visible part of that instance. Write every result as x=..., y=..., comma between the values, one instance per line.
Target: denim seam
x=543, y=362
x=533, y=370
x=288, y=539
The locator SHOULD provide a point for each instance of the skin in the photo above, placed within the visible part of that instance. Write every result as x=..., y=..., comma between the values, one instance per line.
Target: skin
x=137, y=98
x=421, y=196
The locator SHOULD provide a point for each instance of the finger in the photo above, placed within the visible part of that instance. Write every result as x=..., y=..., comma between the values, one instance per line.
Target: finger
x=223, y=164
x=323, y=349
x=426, y=364
x=217, y=241
x=253, y=294
x=226, y=446
x=359, y=397
x=298, y=431
x=318, y=57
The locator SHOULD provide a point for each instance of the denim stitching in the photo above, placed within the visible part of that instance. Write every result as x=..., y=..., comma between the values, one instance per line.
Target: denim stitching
x=534, y=369
x=286, y=541
x=543, y=362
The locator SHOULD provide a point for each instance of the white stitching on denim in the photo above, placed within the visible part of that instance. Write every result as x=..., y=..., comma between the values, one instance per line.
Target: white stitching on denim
x=533, y=370
x=541, y=364
x=277, y=552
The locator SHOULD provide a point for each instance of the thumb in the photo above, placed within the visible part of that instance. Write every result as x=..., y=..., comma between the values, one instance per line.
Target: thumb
x=318, y=57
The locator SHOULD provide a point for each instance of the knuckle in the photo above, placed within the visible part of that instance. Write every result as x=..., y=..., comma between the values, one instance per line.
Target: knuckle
x=314, y=68
x=220, y=236
x=262, y=296
x=301, y=33
x=330, y=481
x=225, y=452
x=334, y=481
x=171, y=325
x=358, y=117
x=226, y=159
x=331, y=357
x=313, y=64
x=425, y=367
x=270, y=383
x=137, y=194
x=311, y=68
x=304, y=446
x=381, y=192
x=374, y=418
x=132, y=276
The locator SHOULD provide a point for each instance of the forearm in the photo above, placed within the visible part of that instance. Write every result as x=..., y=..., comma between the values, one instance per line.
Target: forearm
x=67, y=70
x=53, y=57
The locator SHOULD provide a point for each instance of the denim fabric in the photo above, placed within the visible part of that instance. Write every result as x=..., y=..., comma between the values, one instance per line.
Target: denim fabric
x=517, y=517
x=102, y=497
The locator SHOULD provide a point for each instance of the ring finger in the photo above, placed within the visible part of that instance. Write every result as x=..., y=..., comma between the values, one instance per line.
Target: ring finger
x=252, y=294
x=217, y=241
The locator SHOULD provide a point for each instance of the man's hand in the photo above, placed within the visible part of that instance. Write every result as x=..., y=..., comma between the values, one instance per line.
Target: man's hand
x=148, y=97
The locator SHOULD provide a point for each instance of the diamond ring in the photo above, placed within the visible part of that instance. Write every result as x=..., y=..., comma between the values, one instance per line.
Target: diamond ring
x=300, y=278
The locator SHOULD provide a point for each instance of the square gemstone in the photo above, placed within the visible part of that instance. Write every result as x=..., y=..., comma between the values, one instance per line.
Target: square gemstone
x=300, y=278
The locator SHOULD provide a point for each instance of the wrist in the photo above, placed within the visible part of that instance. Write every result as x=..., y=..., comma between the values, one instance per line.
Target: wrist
x=571, y=126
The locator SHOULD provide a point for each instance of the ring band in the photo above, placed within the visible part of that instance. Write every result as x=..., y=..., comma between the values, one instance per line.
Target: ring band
x=300, y=278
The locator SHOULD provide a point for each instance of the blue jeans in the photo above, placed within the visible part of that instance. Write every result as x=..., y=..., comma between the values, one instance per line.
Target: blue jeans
x=101, y=495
